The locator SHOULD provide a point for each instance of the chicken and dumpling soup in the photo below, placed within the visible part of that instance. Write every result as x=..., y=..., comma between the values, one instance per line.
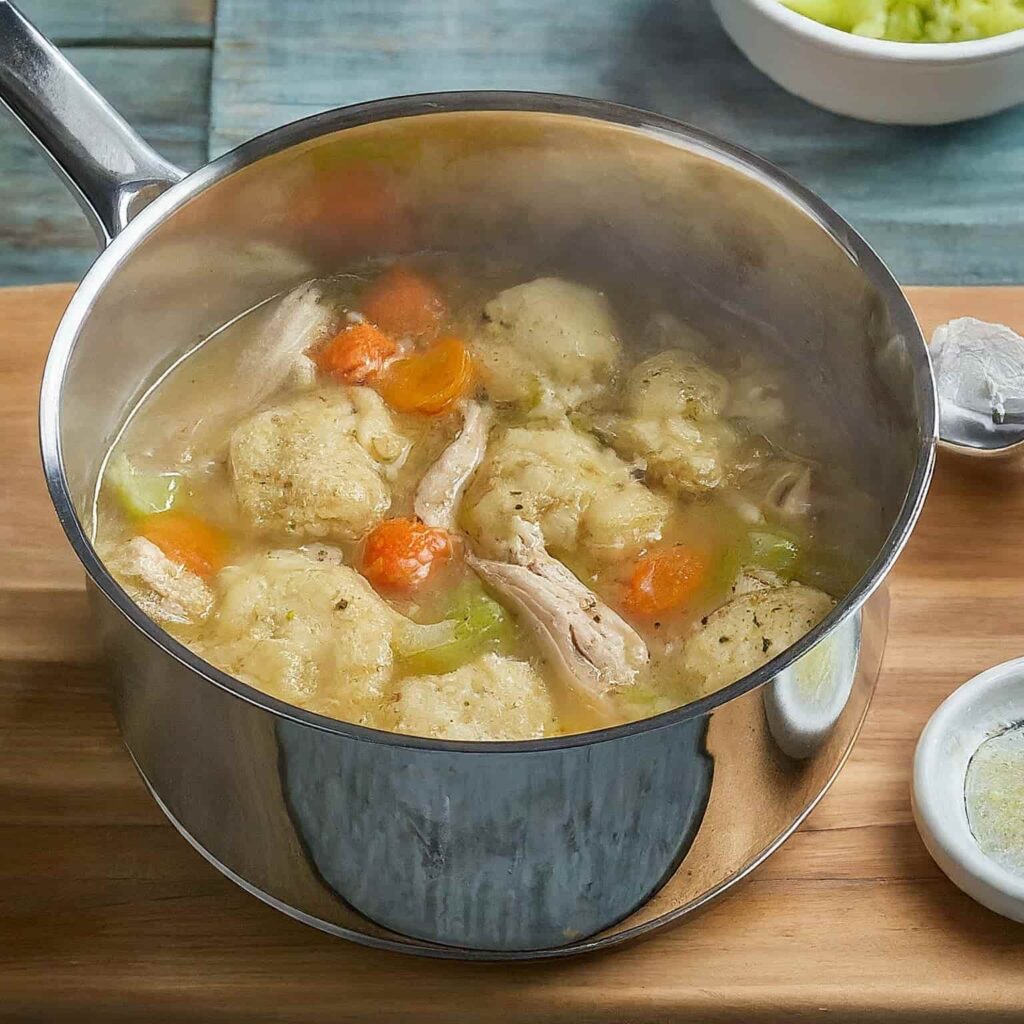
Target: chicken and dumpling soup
x=471, y=503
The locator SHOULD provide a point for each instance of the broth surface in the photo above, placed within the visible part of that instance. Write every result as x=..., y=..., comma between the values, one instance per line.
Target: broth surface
x=644, y=521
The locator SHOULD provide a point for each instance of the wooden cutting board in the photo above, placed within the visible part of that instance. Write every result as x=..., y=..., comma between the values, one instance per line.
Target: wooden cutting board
x=107, y=915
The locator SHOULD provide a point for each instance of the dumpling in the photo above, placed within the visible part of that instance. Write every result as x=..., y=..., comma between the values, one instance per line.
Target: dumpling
x=749, y=630
x=578, y=492
x=675, y=383
x=491, y=698
x=547, y=345
x=301, y=626
x=672, y=421
x=166, y=591
x=317, y=466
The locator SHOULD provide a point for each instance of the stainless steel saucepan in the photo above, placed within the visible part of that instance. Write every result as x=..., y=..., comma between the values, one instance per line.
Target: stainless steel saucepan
x=491, y=850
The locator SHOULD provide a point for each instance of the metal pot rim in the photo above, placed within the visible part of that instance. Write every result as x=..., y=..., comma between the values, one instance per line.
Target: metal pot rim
x=671, y=132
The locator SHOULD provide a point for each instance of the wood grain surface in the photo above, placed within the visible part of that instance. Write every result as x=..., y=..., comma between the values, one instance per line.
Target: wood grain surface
x=941, y=205
x=107, y=915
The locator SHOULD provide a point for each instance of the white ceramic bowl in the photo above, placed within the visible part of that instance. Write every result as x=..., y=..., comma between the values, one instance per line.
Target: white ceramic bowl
x=873, y=79
x=983, y=707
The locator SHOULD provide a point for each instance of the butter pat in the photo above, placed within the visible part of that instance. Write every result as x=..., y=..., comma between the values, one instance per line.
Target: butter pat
x=979, y=368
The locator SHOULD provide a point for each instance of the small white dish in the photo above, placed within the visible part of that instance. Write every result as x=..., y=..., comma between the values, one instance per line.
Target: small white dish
x=876, y=79
x=983, y=707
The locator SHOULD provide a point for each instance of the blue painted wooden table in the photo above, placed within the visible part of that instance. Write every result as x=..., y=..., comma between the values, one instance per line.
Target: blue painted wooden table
x=941, y=205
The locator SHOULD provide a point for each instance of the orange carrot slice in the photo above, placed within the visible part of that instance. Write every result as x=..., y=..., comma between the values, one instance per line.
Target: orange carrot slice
x=356, y=354
x=400, y=555
x=429, y=382
x=186, y=539
x=664, y=580
x=403, y=304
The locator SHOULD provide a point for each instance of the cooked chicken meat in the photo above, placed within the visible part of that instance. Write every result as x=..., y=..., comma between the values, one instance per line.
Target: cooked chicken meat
x=440, y=490
x=279, y=355
x=547, y=346
x=166, y=591
x=789, y=494
x=590, y=648
x=317, y=466
x=753, y=581
x=757, y=403
x=579, y=493
x=491, y=698
x=196, y=425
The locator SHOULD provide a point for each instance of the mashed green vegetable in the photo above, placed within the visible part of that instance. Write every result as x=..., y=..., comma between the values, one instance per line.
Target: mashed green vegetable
x=916, y=21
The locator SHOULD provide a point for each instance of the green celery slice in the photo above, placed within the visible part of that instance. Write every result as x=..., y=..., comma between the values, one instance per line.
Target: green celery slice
x=139, y=493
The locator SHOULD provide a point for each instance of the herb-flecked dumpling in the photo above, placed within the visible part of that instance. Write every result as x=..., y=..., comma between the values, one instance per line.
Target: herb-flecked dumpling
x=547, y=346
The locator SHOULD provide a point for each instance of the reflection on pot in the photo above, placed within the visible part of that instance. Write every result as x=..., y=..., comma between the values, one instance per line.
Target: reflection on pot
x=497, y=851
x=804, y=702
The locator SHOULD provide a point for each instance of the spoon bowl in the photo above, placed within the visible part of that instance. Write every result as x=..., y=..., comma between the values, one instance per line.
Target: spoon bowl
x=968, y=433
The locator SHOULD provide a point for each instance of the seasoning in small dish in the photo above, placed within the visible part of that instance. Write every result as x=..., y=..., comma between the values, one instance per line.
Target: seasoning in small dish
x=968, y=788
x=995, y=798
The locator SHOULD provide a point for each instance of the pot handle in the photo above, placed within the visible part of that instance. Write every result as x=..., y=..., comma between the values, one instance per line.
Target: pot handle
x=110, y=171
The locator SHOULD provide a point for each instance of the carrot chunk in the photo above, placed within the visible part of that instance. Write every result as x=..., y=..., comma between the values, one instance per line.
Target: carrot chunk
x=353, y=202
x=357, y=354
x=186, y=539
x=429, y=382
x=664, y=580
x=403, y=304
x=400, y=555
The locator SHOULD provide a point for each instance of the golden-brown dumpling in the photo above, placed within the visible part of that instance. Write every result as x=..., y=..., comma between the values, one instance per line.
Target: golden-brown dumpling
x=749, y=630
x=491, y=698
x=317, y=465
x=304, y=628
x=578, y=492
x=547, y=345
x=672, y=422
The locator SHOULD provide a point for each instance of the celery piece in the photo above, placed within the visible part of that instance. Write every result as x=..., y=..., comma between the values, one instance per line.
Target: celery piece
x=139, y=493
x=916, y=21
x=774, y=551
x=473, y=622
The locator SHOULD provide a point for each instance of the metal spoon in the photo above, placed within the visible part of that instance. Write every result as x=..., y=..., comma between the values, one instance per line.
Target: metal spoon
x=996, y=432
x=970, y=433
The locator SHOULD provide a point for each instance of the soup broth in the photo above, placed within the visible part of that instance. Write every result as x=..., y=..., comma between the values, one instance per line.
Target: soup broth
x=458, y=500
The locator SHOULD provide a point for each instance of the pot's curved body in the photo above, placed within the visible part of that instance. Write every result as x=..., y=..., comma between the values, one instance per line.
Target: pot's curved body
x=498, y=849
x=482, y=854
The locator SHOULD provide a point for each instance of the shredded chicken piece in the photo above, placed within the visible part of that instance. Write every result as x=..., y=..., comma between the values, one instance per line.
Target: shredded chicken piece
x=163, y=589
x=279, y=353
x=440, y=490
x=790, y=494
x=591, y=649
x=275, y=359
x=755, y=581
